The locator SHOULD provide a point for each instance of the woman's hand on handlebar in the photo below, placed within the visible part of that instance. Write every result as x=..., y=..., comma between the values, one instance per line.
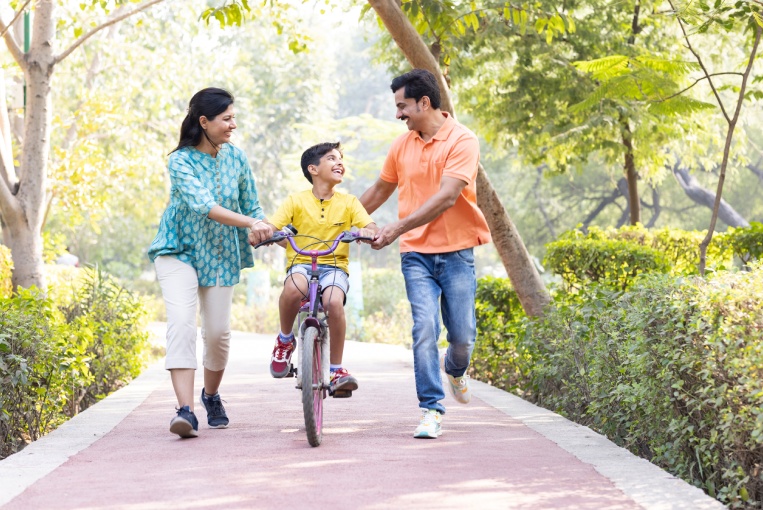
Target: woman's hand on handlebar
x=260, y=231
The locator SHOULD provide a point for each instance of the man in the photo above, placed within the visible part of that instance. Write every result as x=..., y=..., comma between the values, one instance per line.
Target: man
x=434, y=167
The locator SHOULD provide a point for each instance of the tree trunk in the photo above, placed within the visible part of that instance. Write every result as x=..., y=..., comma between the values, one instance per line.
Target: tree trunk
x=631, y=175
x=22, y=197
x=516, y=259
x=22, y=208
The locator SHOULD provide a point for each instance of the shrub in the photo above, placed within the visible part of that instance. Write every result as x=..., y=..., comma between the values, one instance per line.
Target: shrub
x=499, y=357
x=383, y=290
x=746, y=243
x=615, y=257
x=41, y=363
x=669, y=368
x=611, y=262
x=111, y=320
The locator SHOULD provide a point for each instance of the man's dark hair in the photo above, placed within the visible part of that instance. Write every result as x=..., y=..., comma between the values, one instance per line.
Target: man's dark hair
x=418, y=83
x=313, y=155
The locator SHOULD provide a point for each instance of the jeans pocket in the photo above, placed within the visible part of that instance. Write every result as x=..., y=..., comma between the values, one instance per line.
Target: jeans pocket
x=466, y=255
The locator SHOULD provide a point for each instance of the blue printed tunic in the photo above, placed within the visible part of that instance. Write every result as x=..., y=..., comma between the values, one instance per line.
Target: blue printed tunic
x=199, y=182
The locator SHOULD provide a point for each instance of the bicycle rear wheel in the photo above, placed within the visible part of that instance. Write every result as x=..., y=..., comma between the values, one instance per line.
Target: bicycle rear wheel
x=312, y=385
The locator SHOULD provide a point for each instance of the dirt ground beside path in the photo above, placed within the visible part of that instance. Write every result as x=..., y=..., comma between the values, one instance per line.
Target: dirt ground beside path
x=368, y=459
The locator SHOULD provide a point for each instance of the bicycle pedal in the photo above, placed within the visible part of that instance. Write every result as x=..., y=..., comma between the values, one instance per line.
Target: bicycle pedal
x=341, y=394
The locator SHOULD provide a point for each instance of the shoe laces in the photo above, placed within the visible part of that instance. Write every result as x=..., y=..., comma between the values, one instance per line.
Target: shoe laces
x=216, y=405
x=282, y=351
x=336, y=374
x=461, y=381
x=428, y=417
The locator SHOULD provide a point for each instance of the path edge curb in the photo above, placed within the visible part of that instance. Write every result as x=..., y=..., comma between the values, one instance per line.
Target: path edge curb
x=645, y=483
x=22, y=469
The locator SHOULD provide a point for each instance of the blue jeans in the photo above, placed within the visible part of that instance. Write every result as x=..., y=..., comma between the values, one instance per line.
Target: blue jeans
x=440, y=282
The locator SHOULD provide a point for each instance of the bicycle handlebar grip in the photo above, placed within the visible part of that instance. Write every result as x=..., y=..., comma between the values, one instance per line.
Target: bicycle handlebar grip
x=278, y=236
x=348, y=237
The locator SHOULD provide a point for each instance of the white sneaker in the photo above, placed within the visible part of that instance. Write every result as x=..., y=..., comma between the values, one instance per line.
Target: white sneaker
x=459, y=386
x=429, y=426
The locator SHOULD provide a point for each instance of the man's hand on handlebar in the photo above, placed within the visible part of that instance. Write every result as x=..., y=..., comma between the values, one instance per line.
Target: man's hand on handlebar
x=260, y=231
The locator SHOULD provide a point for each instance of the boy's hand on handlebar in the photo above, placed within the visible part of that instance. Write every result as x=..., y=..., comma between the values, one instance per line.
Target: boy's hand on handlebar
x=260, y=231
x=366, y=232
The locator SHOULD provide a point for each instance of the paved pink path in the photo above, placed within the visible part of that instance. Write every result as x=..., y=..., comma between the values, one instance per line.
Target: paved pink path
x=368, y=459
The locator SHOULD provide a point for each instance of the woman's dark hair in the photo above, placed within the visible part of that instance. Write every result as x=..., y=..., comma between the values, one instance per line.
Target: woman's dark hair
x=418, y=83
x=313, y=155
x=210, y=103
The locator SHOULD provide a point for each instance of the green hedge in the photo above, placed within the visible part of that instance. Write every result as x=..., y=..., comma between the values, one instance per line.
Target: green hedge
x=580, y=261
x=746, y=243
x=616, y=257
x=59, y=357
x=670, y=369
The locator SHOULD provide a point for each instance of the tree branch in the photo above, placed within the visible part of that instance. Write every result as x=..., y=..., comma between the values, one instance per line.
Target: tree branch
x=617, y=193
x=699, y=61
x=656, y=206
x=695, y=82
x=100, y=27
x=21, y=10
x=756, y=170
x=704, y=197
x=412, y=45
x=10, y=42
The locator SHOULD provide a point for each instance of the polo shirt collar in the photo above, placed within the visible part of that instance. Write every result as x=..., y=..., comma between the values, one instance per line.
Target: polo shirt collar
x=445, y=129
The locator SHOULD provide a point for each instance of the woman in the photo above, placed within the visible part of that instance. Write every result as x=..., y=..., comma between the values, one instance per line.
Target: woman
x=200, y=249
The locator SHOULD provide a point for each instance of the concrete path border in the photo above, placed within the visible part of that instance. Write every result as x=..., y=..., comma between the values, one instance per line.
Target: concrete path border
x=642, y=481
x=22, y=469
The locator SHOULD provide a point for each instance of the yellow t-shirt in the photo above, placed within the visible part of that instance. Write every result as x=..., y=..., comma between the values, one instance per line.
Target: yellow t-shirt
x=322, y=219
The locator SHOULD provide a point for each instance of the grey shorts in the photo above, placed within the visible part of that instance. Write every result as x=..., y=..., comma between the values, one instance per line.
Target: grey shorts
x=330, y=276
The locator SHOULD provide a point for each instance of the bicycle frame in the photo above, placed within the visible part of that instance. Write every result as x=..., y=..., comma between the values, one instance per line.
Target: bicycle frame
x=310, y=314
x=313, y=327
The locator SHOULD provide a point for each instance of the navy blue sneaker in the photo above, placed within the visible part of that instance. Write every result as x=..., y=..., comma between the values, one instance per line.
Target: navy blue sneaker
x=185, y=423
x=216, y=416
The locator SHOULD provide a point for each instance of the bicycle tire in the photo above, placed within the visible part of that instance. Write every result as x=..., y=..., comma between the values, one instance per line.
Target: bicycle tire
x=312, y=385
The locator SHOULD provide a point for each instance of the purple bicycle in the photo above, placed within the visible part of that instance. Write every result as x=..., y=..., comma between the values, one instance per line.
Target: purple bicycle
x=313, y=334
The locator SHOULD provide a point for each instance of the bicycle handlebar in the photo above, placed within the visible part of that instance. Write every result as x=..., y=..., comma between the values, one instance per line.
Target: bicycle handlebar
x=288, y=232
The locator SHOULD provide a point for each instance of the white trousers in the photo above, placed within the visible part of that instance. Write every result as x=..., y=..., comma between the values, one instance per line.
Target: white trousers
x=182, y=295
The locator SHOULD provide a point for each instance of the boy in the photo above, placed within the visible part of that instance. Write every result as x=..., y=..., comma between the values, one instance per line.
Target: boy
x=321, y=213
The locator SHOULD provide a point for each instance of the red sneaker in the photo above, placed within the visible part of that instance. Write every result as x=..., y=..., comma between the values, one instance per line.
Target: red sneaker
x=342, y=380
x=280, y=361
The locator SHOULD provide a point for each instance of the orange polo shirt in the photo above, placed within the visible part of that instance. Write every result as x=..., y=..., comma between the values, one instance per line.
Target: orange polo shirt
x=417, y=167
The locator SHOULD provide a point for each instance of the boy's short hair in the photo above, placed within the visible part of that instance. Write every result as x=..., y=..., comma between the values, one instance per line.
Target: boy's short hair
x=313, y=155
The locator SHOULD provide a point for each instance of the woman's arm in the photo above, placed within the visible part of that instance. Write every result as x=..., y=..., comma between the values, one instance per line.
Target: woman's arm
x=260, y=229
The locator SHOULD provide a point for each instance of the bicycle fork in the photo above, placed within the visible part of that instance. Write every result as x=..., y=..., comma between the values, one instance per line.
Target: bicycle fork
x=325, y=349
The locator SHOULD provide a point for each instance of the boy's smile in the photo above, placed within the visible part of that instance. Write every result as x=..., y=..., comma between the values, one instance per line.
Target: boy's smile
x=330, y=169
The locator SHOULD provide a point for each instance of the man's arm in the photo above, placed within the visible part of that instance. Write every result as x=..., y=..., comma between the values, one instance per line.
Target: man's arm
x=445, y=198
x=377, y=194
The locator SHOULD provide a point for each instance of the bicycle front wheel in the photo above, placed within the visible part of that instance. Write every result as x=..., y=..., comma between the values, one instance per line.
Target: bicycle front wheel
x=312, y=385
